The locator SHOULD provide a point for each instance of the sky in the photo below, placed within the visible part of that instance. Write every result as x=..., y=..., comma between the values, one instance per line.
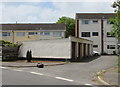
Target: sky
x=49, y=11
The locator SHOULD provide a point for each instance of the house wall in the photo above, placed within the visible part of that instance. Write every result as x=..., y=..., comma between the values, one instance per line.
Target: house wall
x=96, y=27
x=14, y=38
x=91, y=27
x=109, y=40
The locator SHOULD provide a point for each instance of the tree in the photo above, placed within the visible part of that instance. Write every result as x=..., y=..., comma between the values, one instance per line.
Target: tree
x=70, y=25
x=116, y=20
x=29, y=56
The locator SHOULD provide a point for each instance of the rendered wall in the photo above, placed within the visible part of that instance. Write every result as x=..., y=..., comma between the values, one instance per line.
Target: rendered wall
x=60, y=48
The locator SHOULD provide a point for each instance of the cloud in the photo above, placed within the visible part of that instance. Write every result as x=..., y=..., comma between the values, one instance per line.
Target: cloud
x=57, y=0
x=49, y=12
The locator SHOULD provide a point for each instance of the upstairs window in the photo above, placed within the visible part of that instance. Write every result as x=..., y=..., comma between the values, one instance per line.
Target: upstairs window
x=46, y=33
x=95, y=21
x=32, y=33
x=85, y=21
x=57, y=34
x=108, y=22
x=109, y=34
x=85, y=34
x=41, y=33
x=20, y=34
x=5, y=34
x=94, y=33
x=110, y=46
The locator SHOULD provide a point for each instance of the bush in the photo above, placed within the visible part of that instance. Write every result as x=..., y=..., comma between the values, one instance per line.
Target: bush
x=7, y=43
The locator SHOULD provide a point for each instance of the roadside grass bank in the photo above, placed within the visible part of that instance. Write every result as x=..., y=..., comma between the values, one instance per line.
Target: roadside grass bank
x=119, y=64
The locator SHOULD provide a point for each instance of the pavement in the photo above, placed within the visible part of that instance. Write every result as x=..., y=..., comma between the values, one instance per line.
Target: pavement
x=110, y=76
x=16, y=64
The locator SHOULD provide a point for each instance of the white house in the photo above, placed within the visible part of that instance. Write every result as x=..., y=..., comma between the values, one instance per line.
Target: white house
x=96, y=27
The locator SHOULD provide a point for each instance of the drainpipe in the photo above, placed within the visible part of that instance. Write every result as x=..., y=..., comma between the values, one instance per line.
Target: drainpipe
x=102, y=39
x=13, y=35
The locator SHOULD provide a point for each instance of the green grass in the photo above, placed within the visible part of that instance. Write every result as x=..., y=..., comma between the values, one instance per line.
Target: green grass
x=118, y=64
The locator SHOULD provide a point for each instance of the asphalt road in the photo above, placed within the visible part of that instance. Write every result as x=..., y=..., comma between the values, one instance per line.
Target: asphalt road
x=81, y=73
x=14, y=77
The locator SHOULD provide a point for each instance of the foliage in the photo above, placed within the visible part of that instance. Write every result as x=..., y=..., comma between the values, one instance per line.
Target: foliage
x=70, y=25
x=7, y=43
x=116, y=20
x=116, y=25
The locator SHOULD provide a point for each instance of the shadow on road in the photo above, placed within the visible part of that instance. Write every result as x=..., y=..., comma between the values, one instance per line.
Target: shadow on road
x=89, y=59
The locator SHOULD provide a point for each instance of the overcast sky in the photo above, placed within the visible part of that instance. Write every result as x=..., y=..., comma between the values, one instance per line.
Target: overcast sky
x=49, y=11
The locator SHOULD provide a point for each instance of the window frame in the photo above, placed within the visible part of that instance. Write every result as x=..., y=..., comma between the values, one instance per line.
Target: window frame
x=109, y=35
x=33, y=33
x=111, y=47
x=7, y=34
x=95, y=46
x=57, y=34
x=93, y=34
x=85, y=34
x=19, y=34
x=94, y=21
x=86, y=21
x=46, y=34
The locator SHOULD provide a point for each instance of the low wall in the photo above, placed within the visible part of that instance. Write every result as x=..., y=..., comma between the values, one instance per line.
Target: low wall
x=9, y=53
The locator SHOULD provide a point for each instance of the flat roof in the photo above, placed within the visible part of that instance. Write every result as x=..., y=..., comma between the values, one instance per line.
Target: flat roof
x=33, y=26
x=94, y=15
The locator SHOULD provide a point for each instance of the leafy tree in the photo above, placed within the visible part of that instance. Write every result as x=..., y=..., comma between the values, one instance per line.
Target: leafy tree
x=70, y=25
x=116, y=20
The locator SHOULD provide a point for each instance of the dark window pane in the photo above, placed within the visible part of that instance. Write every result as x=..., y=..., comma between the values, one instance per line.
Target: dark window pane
x=109, y=35
x=95, y=21
x=95, y=46
x=85, y=21
x=85, y=34
x=95, y=34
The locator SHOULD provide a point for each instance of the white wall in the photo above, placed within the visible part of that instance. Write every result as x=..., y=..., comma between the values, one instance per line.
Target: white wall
x=96, y=27
x=91, y=27
x=109, y=40
x=47, y=48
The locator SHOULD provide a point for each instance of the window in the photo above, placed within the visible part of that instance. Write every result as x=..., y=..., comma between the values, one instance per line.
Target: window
x=95, y=46
x=5, y=34
x=94, y=33
x=46, y=33
x=108, y=22
x=32, y=33
x=85, y=34
x=109, y=35
x=110, y=46
x=85, y=21
x=41, y=33
x=20, y=34
x=95, y=21
x=57, y=34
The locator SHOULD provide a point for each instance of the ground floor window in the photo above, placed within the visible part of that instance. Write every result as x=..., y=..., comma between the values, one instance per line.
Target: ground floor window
x=5, y=33
x=95, y=46
x=20, y=34
x=110, y=46
x=32, y=33
x=57, y=34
